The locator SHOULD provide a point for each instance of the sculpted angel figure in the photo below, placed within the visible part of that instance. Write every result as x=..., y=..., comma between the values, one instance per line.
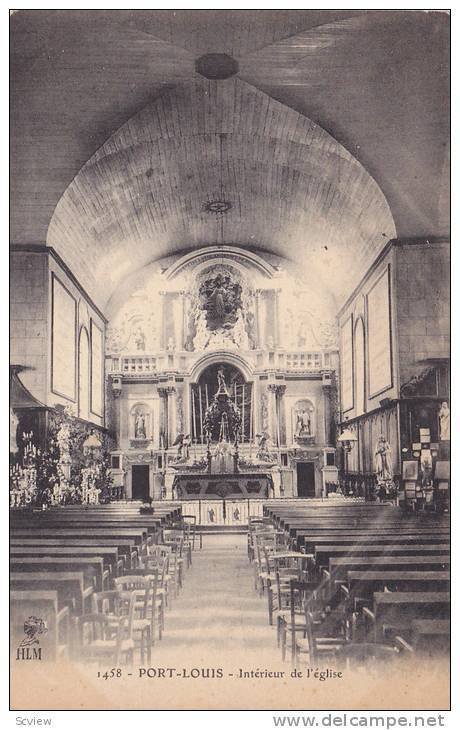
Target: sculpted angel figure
x=183, y=441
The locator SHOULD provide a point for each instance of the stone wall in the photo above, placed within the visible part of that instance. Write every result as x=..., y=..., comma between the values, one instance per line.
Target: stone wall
x=29, y=330
x=31, y=319
x=422, y=295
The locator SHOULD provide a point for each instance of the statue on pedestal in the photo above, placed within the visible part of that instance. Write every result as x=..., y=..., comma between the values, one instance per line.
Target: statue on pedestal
x=139, y=426
x=263, y=453
x=222, y=389
x=382, y=460
x=183, y=442
x=444, y=422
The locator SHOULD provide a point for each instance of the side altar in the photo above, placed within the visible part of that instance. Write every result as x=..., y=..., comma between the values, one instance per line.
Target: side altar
x=224, y=471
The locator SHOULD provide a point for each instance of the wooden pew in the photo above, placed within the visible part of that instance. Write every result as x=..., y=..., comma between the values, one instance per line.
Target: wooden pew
x=93, y=567
x=126, y=547
x=72, y=588
x=139, y=535
x=311, y=540
x=339, y=567
x=43, y=605
x=363, y=584
x=323, y=553
x=112, y=562
x=107, y=536
x=430, y=636
x=394, y=612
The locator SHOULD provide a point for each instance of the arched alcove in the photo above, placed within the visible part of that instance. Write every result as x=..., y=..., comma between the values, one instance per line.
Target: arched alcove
x=140, y=422
x=360, y=367
x=239, y=389
x=304, y=420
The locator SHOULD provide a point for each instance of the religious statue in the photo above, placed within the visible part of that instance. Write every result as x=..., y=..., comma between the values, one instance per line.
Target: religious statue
x=270, y=342
x=264, y=411
x=217, y=300
x=63, y=441
x=171, y=346
x=139, y=426
x=303, y=424
x=263, y=453
x=114, y=339
x=222, y=389
x=221, y=300
x=139, y=339
x=444, y=422
x=183, y=442
x=382, y=460
x=14, y=422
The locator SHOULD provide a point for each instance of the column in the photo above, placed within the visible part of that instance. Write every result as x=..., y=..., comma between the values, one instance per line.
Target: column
x=277, y=318
x=183, y=327
x=272, y=413
x=172, y=413
x=257, y=318
x=280, y=391
x=161, y=320
x=261, y=316
x=163, y=393
x=326, y=412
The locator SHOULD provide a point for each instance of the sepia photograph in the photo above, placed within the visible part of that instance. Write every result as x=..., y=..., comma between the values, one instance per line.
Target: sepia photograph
x=229, y=377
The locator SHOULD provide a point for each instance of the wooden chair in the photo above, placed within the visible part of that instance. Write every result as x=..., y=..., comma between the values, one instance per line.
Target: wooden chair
x=143, y=588
x=254, y=523
x=292, y=621
x=158, y=559
x=108, y=637
x=323, y=630
x=190, y=521
x=261, y=575
x=280, y=569
x=156, y=604
x=175, y=540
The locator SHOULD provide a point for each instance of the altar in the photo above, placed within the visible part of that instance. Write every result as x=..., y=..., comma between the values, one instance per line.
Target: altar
x=224, y=486
x=222, y=471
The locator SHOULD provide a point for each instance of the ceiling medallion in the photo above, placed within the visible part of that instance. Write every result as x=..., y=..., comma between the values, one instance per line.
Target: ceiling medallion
x=216, y=66
x=219, y=207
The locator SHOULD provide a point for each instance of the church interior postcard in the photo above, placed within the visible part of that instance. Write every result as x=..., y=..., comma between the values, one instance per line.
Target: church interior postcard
x=230, y=360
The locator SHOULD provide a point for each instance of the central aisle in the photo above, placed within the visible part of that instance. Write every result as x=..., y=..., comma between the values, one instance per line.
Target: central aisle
x=218, y=617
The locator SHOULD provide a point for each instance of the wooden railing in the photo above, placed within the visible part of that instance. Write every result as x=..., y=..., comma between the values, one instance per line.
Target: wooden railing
x=355, y=484
x=116, y=493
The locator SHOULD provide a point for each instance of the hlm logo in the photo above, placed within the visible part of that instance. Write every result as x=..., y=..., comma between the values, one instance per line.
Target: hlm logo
x=29, y=648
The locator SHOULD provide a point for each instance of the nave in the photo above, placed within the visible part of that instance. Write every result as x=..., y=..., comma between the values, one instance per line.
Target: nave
x=219, y=616
x=337, y=586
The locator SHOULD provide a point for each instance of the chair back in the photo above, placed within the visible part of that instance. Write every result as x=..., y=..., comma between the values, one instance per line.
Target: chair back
x=139, y=588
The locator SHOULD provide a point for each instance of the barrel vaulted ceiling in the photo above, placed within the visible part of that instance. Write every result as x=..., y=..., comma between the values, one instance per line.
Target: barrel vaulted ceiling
x=330, y=138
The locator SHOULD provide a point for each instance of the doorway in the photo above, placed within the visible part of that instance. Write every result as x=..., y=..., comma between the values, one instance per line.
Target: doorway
x=305, y=479
x=140, y=482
